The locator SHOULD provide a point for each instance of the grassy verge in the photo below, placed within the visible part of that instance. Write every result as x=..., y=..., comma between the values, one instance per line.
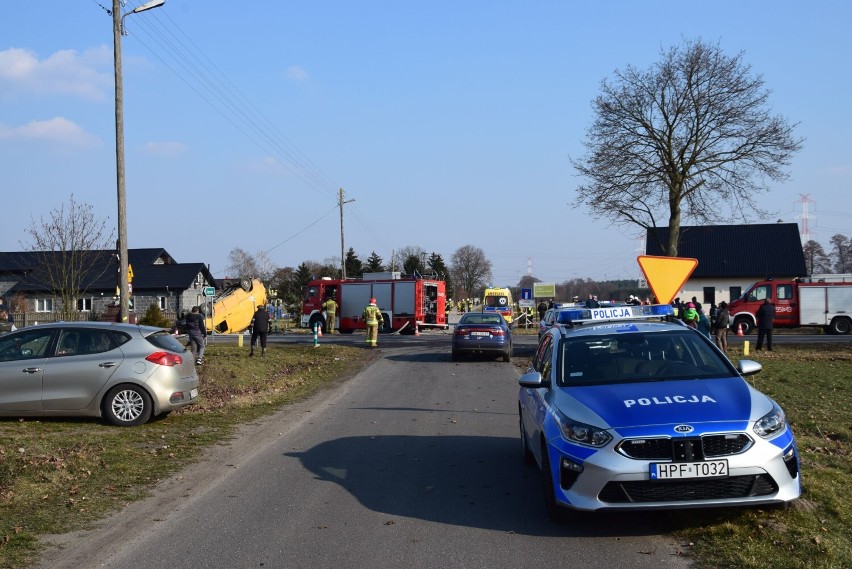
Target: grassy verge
x=812, y=384
x=62, y=475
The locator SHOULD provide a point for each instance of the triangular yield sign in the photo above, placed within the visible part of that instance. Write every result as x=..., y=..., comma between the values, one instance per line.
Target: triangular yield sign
x=666, y=275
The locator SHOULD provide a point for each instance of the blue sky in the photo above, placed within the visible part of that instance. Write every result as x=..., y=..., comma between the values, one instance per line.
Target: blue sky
x=448, y=123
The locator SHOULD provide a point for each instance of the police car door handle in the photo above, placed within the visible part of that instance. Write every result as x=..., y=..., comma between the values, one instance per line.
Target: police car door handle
x=31, y=369
x=108, y=364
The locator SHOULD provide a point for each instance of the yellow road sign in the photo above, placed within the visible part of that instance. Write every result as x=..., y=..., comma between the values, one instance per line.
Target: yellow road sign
x=666, y=275
x=129, y=273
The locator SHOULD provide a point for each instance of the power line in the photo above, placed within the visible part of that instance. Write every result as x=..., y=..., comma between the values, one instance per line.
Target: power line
x=176, y=50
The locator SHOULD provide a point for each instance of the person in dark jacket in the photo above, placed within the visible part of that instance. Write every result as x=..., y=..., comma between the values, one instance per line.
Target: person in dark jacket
x=196, y=328
x=259, y=329
x=542, y=308
x=765, y=321
x=721, y=323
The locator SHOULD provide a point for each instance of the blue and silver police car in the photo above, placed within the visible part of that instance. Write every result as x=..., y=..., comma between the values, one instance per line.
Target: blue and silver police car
x=625, y=407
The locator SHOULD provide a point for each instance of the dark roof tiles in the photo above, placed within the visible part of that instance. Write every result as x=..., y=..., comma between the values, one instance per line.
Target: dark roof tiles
x=735, y=251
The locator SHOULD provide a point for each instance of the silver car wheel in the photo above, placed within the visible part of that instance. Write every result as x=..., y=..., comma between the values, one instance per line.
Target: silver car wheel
x=128, y=405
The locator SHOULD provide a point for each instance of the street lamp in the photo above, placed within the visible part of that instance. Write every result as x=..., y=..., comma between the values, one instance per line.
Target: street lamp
x=117, y=32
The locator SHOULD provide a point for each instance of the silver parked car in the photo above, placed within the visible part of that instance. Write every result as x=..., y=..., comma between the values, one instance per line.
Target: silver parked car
x=122, y=372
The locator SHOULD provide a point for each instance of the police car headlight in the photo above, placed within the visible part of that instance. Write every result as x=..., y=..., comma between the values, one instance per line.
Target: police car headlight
x=772, y=423
x=584, y=434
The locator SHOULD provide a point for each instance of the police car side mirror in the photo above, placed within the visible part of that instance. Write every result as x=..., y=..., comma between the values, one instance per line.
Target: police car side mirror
x=533, y=380
x=748, y=367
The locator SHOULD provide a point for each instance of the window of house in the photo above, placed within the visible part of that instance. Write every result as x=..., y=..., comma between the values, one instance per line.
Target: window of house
x=164, y=303
x=709, y=294
x=84, y=304
x=44, y=305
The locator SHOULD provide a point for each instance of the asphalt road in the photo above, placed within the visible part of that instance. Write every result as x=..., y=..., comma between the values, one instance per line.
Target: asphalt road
x=524, y=343
x=415, y=462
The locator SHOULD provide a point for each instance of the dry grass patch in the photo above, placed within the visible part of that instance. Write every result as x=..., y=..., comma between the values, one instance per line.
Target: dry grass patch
x=60, y=475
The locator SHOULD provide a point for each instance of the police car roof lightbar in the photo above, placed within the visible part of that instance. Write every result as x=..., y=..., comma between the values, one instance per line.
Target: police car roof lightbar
x=627, y=312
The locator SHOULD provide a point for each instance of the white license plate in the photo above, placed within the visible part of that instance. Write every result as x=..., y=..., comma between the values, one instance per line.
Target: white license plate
x=193, y=393
x=681, y=470
x=480, y=333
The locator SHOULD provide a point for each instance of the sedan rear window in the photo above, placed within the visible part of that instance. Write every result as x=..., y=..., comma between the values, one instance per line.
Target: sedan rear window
x=481, y=318
x=165, y=341
x=638, y=357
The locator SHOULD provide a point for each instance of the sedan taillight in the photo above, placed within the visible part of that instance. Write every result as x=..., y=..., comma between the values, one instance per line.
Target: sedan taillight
x=497, y=332
x=165, y=359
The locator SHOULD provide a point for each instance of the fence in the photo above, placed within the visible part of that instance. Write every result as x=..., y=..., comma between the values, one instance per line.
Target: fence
x=22, y=319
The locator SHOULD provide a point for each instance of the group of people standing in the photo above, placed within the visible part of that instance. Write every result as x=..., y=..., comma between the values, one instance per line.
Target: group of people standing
x=718, y=325
x=715, y=325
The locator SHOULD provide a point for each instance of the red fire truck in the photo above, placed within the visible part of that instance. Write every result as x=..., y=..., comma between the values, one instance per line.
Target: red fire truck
x=407, y=303
x=818, y=300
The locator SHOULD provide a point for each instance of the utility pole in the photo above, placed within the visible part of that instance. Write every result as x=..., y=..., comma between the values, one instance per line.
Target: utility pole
x=123, y=264
x=123, y=292
x=340, y=203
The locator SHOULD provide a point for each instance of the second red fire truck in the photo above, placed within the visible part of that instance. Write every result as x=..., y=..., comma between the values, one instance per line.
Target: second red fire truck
x=818, y=300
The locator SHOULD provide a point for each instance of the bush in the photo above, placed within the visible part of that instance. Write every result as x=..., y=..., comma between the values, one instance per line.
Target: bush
x=154, y=317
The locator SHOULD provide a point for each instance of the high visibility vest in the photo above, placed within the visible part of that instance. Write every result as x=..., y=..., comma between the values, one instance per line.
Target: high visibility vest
x=330, y=306
x=372, y=315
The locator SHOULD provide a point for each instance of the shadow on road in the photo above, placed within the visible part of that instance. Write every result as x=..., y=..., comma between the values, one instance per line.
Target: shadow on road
x=459, y=480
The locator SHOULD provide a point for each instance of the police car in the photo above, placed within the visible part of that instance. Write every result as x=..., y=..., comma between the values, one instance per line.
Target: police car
x=624, y=407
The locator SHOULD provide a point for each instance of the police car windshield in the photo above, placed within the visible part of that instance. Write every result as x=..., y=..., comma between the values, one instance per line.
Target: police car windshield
x=639, y=357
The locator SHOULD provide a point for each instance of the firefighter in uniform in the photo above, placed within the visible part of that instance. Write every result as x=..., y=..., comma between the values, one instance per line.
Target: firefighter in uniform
x=372, y=316
x=330, y=307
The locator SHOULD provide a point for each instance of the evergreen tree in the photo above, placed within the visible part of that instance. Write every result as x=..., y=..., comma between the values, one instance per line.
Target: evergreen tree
x=154, y=317
x=354, y=266
x=374, y=264
x=437, y=266
x=302, y=276
x=284, y=282
x=412, y=264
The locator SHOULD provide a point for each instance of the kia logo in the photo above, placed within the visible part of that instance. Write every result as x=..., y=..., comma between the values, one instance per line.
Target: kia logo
x=684, y=429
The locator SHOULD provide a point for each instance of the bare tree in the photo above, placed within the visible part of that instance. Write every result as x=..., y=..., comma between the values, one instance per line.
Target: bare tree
x=72, y=249
x=816, y=261
x=841, y=251
x=470, y=269
x=241, y=264
x=409, y=258
x=692, y=136
x=245, y=266
x=265, y=266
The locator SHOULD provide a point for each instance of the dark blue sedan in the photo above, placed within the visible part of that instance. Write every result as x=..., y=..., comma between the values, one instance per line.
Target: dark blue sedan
x=485, y=333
